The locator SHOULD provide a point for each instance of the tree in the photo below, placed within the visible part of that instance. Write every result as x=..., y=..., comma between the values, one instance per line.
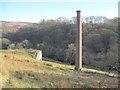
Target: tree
x=106, y=41
x=26, y=44
x=70, y=53
x=5, y=43
x=19, y=46
x=73, y=20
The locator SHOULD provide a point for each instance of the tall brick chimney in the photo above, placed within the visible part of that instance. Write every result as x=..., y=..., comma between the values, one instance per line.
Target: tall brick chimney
x=78, y=60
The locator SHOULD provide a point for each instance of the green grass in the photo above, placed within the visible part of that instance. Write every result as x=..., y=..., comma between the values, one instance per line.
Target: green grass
x=23, y=71
x=86, y=70
x=23, y=52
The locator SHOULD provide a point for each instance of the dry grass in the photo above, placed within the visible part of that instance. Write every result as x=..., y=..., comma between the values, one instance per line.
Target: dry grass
x=63, y=84
x=19, y=70
x=99, y=72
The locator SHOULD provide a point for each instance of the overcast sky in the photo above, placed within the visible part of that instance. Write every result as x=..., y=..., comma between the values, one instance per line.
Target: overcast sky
x=35, y=10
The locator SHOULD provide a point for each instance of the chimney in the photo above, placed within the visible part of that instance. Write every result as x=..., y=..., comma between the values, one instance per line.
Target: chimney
x=78, y=60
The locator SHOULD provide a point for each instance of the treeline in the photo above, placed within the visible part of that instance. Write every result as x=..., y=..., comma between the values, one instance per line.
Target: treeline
x=57, y=39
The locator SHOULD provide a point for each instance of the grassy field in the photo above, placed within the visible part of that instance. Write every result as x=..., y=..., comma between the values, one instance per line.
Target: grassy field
x=20, y=70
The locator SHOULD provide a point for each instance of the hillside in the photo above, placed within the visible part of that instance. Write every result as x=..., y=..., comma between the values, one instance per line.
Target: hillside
x=57, y=40
x=20, y=70
x=10, y=26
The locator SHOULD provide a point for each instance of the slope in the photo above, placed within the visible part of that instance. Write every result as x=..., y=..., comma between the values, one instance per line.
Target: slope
x=20, y=70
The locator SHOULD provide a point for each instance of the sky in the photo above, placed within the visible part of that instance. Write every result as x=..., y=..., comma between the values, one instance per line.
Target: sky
x=34, y=10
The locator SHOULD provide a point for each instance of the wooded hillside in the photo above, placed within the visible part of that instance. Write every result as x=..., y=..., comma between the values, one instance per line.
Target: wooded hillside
x=56, y=38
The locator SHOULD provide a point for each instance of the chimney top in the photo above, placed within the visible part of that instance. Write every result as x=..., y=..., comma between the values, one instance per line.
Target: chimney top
x=79, y=11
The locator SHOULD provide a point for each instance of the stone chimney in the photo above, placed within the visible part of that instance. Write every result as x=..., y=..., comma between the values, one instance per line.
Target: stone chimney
x=78, y=60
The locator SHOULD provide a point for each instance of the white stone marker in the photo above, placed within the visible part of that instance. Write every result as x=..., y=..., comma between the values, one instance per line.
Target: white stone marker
x=39, y=55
